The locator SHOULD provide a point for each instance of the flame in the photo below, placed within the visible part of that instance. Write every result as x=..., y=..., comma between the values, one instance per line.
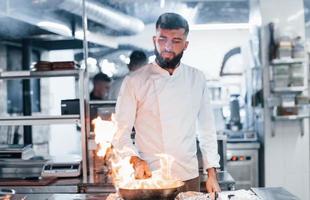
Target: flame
x=123, y=174
x=104, y=131
x=121, y=169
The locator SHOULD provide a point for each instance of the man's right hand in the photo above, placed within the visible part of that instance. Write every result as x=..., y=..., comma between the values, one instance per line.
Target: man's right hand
x=142, y=170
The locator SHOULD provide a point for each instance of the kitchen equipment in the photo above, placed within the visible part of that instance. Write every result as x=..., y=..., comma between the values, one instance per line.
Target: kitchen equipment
x=70, y=107
x=29, y=181
x=298, y=48
x=284, y=111
x=285, y=47
x=48, y=66
x=151, y=194
x=6, y=194
x=242, y=163
x=241, y=136
x=64, y=65
x=67, y=166
x=43, y=66
x=21, y=169
x=234, y=122
x=16, y=151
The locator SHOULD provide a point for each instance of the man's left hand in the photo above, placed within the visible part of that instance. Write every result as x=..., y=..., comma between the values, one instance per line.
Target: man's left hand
x=212, y=185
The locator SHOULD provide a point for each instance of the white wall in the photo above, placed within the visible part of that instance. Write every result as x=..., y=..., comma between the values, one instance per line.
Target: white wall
x=287, y=153
x=207, y=48
x=64, y=139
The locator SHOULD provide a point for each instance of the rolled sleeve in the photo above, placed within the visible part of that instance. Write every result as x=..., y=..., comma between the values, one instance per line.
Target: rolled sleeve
x=207, y=133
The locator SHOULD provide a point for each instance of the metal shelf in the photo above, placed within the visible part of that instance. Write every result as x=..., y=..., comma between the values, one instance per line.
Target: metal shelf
x=288, y=89
x=297, y=118
x=92, y=102
x=38, y=74
x=287, y=61
x=39, y=120
x=290, y=117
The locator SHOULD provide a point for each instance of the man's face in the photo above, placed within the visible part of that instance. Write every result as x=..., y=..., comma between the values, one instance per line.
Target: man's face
x=102, y=88
x=170, y=43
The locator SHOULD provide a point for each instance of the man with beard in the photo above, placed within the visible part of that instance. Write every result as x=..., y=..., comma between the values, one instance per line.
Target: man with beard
x=167, y=103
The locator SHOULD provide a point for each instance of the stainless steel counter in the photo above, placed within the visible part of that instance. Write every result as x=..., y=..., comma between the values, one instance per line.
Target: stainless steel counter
x=75, y=185
x=264, y=193
x=67, y=185
x=59, y=197
x=274, y=193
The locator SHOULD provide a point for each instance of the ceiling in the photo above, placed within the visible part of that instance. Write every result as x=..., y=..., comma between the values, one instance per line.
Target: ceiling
x=57, y=24
x=22, y=19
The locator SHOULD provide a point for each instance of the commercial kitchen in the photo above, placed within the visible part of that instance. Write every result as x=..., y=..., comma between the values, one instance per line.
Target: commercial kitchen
x=55, y=141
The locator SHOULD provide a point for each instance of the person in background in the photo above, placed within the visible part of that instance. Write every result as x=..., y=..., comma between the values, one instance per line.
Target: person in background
x=137, y=59
x=102, y=84
x=167, y=102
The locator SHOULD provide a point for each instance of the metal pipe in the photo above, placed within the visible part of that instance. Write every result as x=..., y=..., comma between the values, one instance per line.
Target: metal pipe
x=27, y=93
x=84, y=97
x=104, y=15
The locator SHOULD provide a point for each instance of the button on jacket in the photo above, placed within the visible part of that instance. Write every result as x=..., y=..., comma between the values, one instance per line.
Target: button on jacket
x=169, y=112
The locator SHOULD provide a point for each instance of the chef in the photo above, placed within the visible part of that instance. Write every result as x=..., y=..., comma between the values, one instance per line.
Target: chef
x=167, y=103
x=101, y=83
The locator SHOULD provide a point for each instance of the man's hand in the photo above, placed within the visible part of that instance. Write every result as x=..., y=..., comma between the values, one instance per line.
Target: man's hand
x=212, y=184
x=142, y=170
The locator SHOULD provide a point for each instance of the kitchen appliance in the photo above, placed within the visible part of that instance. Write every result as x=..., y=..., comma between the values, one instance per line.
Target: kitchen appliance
x=67, y=166
x=70, y=107
x=240, y=135
x=16, y=151
x=21, y=169
x=242, y=163
x=234, y=122
x=48, y=66
x=149, y=194
x=6, y=194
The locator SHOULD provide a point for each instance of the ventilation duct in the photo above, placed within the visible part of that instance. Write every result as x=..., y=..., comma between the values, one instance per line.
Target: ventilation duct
x=104, y=15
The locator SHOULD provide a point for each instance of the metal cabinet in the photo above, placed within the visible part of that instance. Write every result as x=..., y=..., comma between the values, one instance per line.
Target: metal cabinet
x=242, y=164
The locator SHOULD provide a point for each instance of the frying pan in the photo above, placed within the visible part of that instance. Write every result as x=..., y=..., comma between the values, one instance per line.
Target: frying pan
x=6, y=194
x=151, y=194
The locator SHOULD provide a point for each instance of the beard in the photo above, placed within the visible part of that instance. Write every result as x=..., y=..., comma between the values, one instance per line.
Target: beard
x=167, y=63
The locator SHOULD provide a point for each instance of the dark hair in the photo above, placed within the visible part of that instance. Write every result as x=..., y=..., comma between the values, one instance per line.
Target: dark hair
x=172, y=21
x=101, y=77
x=137, y=59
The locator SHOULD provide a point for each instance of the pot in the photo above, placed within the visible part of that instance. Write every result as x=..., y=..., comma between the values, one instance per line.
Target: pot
x=151, y=194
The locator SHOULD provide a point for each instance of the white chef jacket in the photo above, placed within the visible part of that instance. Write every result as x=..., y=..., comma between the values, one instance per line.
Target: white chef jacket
x=168, y=113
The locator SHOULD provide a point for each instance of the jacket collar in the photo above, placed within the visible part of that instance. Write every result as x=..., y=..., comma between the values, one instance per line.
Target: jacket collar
x=159, y=70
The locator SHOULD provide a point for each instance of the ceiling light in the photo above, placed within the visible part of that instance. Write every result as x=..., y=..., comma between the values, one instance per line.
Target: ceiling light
x=162, y=3
x=53, y=26
x=107, y=67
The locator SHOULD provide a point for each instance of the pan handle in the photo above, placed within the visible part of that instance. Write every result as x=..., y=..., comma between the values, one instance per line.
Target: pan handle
x=4, y=191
